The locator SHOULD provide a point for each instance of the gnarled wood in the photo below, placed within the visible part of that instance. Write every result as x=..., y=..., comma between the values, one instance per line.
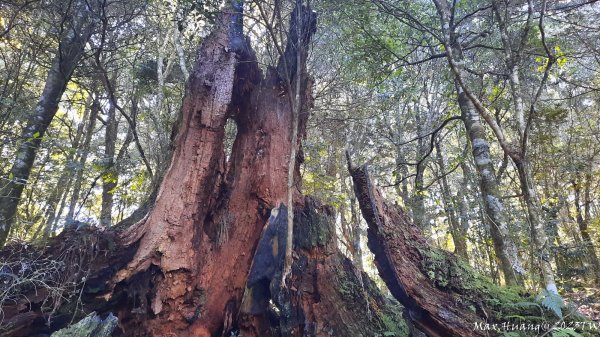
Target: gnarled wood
x=398, y=247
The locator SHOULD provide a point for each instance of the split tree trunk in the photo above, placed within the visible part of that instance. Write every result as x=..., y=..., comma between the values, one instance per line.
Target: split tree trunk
x=195, y=266
x=208, y=258
x=400, y=251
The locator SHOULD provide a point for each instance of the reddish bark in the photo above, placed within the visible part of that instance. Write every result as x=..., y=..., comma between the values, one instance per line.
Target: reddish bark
x=209, y=213
x=196, y=244
x=184, y=269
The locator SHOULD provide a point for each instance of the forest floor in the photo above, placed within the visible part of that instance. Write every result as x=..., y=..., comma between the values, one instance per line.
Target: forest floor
x=586, y=300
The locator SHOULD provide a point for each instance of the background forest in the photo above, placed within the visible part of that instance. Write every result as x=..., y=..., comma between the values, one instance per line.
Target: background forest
x=481, y=119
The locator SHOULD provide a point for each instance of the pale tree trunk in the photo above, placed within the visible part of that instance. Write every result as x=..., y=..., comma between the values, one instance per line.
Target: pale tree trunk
x=84, y=151
x=177, y=30
x=70, y=51
x=536, y=223
x=521, y=160
x=356, y=231
x=401, y=180
x=418, y=198
x=463, y=207
x=351, y=228
x=65, y=181
x=504, y=247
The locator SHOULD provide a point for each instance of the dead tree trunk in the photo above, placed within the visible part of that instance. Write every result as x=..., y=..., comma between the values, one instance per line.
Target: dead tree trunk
x=195, y=265
x=443, y=295
x=400, y=250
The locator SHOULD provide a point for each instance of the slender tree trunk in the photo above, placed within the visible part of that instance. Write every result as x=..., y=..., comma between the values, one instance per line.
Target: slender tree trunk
x=65, y=181
x=463, y=207
x=418, y=199
x=584, y=229
x=536, y=225
x=70, y=50
x=356, y=231
x=504, y=247
x=458, y=235
x=81, y=162
x=110, y=176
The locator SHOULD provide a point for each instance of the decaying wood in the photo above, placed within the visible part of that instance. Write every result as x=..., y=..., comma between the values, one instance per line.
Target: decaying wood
x=208, y=215
x=399, y=254
x=185, y=268
x=327, y=295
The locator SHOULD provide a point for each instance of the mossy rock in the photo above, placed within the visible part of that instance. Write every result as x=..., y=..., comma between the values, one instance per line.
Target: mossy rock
x=90, y=326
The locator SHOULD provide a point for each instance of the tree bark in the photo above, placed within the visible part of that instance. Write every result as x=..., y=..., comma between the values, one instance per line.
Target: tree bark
x=584, y=229
x=208, y=258
x=504, y=247
x=536, y=225
x=419, y=214
x=200, y=247
x=82, y=159
x=66, y=179
x=110, y=175
x=400, y=250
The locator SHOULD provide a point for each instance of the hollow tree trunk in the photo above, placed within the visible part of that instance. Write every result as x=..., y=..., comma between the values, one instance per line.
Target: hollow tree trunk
x=206, y=260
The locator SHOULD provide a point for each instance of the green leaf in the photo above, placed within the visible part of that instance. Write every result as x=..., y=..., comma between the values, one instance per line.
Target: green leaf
x=553, y=302
x=36, y=135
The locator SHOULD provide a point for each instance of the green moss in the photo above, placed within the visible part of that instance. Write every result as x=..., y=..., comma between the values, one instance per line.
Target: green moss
x=90, y=326
x=311, y=229
x=484, y=297
x=393, y=322
x=384, y=314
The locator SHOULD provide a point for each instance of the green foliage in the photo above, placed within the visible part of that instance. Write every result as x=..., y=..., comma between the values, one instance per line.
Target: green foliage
x=552, y=301
x=569, y=332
